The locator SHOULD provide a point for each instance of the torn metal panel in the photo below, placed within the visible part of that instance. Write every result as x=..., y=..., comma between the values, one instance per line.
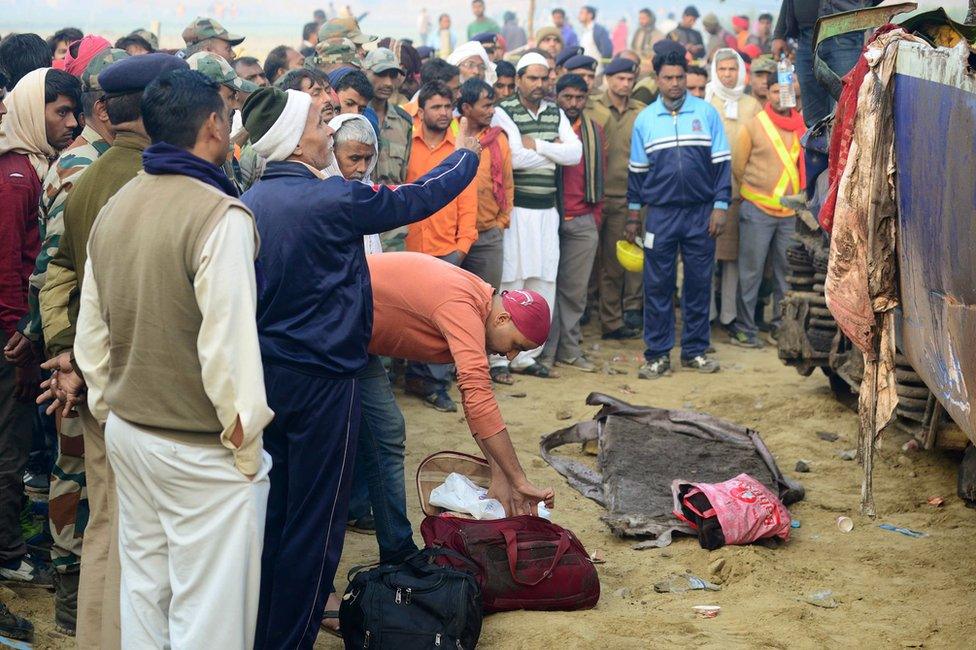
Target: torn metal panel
x=935, y=119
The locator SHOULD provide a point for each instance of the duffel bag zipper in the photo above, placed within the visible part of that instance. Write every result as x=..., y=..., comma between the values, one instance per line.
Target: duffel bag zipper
x=366, y=640
x=437, y=640
x=399, y=596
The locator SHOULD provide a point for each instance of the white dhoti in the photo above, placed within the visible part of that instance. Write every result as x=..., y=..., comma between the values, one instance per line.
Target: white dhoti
x=530, y=261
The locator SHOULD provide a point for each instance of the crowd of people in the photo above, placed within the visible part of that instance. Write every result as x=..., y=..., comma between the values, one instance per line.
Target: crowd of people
x=215, y=269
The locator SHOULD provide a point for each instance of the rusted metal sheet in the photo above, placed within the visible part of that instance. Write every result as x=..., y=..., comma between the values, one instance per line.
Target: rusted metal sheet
x=935, y=145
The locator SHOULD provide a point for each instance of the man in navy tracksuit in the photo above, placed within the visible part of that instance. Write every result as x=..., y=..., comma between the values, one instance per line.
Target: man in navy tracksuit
x=680, y=168
x=315, y=321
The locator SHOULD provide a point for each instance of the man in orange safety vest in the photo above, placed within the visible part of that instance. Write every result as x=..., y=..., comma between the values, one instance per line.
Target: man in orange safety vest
x=767, y=165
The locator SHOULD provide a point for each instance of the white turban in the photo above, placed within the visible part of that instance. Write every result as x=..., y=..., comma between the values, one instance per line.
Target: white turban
x=280, y=140
x=470, y=49
x=532, y=58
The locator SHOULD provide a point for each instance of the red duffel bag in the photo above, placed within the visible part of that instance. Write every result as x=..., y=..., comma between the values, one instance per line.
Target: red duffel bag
x=523, y=562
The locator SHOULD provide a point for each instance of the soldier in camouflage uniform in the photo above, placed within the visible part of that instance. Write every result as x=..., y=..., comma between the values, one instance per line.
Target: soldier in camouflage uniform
x=234, y=90
x=333, y=54
x=68, y=498
x=395, y=129
x=346, y=28
x=207, y=35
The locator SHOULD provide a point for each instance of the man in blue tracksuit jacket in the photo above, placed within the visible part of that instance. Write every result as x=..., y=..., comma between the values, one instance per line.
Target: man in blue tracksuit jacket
x=680, y=168
x=315, y=321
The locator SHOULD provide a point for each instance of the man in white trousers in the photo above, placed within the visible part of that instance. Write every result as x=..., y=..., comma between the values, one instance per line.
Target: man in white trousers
x=541, y=138
x=169, y=349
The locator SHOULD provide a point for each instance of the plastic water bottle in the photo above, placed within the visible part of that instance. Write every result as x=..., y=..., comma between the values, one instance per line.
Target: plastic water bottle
x=784, y=77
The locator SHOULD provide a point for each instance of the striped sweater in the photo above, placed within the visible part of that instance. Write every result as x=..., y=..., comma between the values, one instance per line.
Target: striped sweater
x=535, y=189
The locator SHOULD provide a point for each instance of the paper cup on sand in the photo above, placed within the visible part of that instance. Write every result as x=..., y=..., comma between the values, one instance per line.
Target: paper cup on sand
x=706, y=611
x=845, y=524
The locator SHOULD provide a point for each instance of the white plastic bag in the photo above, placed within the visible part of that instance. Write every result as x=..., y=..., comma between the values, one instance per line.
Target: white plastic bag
x=458, y=493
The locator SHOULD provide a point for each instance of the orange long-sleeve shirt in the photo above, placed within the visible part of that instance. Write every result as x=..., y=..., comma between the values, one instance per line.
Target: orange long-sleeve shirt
x=427, y=310
x=454, y=227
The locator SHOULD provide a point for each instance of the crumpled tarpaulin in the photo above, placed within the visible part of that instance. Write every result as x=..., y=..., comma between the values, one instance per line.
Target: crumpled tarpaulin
x=643, y=449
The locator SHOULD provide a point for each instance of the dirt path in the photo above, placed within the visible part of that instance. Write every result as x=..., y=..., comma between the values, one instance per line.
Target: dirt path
x=891, y=590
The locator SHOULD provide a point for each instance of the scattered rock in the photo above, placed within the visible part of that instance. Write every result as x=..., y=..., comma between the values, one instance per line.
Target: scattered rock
x=913, y=474
x=716, y=567
x=518, y=395
x=823, y=599
x=623, y=592
x=802, y=466
x=827, y=436
x=848, y=454
x=627, y=389
x=564, y=414
x=596, y=557
x=595, y=347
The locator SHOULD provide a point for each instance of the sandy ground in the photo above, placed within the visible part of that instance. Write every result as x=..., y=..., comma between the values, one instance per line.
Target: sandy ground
x=891, y=590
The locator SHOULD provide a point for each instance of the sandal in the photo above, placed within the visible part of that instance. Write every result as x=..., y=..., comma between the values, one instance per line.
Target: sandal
x=536, y=370
x=501, y=375
x=331, y=614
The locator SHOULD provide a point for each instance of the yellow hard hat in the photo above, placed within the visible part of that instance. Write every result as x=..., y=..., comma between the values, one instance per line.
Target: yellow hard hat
x=630, y=256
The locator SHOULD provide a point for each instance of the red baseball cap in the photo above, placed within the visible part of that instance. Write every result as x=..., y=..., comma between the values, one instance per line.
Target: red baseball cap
x=530, y=313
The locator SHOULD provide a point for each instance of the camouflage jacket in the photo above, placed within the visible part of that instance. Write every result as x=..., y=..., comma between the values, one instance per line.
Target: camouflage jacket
x=396, y=134
x=62, y=176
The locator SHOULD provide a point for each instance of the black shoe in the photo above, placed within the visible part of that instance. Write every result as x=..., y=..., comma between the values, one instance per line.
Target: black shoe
x=15, y=627
x=441, y=401
x=365, y=525
x=66, y=602
x=620, y=334
x=634, y=319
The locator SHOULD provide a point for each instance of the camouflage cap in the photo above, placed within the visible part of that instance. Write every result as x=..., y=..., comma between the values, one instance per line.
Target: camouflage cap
x=89, y=77
x=203, y=28
x=147, y=36
x=214, y=67
x=764, y=63
x=338, y=50
x=345, y=28
x=382, y=60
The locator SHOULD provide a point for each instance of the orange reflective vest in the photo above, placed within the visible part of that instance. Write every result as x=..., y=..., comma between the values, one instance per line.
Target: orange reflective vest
x=789, y=180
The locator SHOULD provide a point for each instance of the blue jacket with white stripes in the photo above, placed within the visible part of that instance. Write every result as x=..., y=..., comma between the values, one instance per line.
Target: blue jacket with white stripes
x=315, y=300
x=679, y=159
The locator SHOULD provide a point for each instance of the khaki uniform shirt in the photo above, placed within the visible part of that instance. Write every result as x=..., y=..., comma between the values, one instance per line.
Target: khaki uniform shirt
x=617, y=128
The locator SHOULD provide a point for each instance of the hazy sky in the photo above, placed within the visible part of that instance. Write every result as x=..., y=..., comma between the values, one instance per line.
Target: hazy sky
x=269, y=21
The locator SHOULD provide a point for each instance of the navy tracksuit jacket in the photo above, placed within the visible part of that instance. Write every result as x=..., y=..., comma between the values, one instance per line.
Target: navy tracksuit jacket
x=315, y=320
x=680, y=168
